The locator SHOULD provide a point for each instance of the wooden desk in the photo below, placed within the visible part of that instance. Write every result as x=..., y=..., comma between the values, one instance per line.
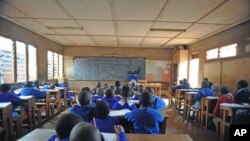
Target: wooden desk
x=188, y=102
x=6, y=118
x=207, y=106
x=64, y=92
x=55, y=102
x=38, y=135
x=165, y=137
x=180, y=97
x=155, y=86
x=228, y=110
x=29, y=102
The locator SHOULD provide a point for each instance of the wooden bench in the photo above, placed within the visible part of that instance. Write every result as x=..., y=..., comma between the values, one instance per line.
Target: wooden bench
x=6, y=120
x=43, y=106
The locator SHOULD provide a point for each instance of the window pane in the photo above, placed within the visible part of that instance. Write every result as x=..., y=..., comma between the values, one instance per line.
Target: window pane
x=50, y=65
x=32, y=63
x=21, y=61
x=6, y=60
x=212, y=54
x=228, y=51
x=60, y=66
x=56, y=67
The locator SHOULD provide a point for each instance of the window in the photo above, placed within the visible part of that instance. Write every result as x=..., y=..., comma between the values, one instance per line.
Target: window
x=50, y=65
x=6, y=63
x=60, y=66
x=212, y=54
x=228, y=51
x=21, y=61
x=56, y=66
x=32, y=63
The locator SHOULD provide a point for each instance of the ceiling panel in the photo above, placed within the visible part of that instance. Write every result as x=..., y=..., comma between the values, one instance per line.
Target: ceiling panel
x=178, y=41
x=39, y=8
x=171, y=25
x=98, y=27
x=104, y=40
x=231, y=12
x=33, y=25
x=162, y=34
x=200, y=30
x=154, y=42
x=88, y=9
x=130, y=41
x=138, y=9
x=130, y=28
x=187, y=10
x=9, y=11
x=58, y=23
x=80, y=40
x=59, y=39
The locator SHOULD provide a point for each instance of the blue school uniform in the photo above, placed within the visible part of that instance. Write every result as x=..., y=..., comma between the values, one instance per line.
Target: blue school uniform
x=145, y=120
x=111, y=101
x=122, y=136
x=9, y=97
x=242, y=96
x=86, y=112
x=26, y=91
x=95, y=98
x=203, y=92
x=107, y=124
x=159, y=103
x=54, y=138
x=124, y=105
x=64, y=85
x=137, y=96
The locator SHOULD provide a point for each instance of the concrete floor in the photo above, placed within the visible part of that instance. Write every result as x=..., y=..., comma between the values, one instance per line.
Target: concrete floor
x=176, y=124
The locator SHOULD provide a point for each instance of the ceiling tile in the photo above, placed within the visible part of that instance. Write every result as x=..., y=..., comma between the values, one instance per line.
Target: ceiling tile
x=69, y=31
x=200, y=30
x=154, y=42
x=162, y=34
x=130, y=28
x=60, y=39
x=33, y=25
x=187, y=10
x=231, y=12
x=138, y=9
x=104, y=40
x=97, y=27
x=58, y=23
x=39, y=8
x=88, y=9
x=80, y=40
x=130, y=41
x=171, y=25
x=178, y=41
x=9, y=11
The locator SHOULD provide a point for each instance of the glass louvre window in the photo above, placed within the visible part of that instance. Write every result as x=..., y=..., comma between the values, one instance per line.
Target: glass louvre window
x=50, y=65
x=228, y=51
x=32, y=63
x=212, y=54
x=21, y=61
x=60, y=66
x=6, y=60
x=56, y=66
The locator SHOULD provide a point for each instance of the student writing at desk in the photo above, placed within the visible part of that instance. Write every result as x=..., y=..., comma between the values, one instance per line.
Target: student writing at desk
x=28, y=90
x=242, y=94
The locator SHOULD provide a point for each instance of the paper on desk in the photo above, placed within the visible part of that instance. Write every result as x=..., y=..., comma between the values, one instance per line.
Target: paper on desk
x=231, y=105
x=117, y=113
x=212, y=97
x=25, y=97
x=108, y=136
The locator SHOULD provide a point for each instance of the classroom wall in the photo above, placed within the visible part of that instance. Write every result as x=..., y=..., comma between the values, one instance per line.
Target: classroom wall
x=225, y=71
x=71, y=52
x=13, y=31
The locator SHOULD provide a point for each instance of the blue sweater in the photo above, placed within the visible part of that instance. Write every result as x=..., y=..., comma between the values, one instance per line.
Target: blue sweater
x=159, y=103
x=145, y=120
x=54, y=138
x=86, y=112
x=111, y=101
x=242, y=96
x=203, y=92
x=124, y=105
x=107, y=124
x=26, y=91
x=9, y=97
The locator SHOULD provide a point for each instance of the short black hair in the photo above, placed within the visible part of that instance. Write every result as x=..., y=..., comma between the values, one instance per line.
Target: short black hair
x=180, y=81
x=102, y=109
x=206, y=79
x=117, y=84
x=86, y=89
x=5, y=88
x=85, y=131
x=29, y=84
x=98, y=84
x=65, y=124
x=109, y=93
x=146, y=99
x=100, y=91
x=224, y=90
x=126, y=91
x=204, y=84
x=184, y=80
x=84, y=98
x=151, y=90
x=242, y=84
x=141, y=88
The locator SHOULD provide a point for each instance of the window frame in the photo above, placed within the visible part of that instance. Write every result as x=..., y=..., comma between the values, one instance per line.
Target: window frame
x=55, y=66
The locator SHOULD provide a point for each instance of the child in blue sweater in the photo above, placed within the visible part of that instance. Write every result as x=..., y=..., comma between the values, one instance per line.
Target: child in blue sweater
x=158, y=103
x=102, y=120
x=242, y=94
x=146, y=119
x=203, y=92
x=64, y=126
x=110, y=98
x=84, y=108
x=125, y=103
x=28, y=90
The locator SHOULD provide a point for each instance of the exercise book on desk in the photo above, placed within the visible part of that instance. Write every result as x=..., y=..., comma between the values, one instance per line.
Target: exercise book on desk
x=109, y=136
x=118, y=113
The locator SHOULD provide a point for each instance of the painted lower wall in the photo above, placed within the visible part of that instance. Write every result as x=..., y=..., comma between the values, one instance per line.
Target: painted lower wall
x=13, y=31
x=225, y=71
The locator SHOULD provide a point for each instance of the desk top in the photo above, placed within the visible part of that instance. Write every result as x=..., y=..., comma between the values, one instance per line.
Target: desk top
x=4, y=104
x=38, y=135
x=188, y=90
x=192, y=93
x=234, y=105
x=211, y=97
x=25, y=97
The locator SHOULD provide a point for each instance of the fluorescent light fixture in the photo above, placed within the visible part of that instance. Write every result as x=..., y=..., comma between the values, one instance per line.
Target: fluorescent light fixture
x=65, y=28
x=168, y=29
